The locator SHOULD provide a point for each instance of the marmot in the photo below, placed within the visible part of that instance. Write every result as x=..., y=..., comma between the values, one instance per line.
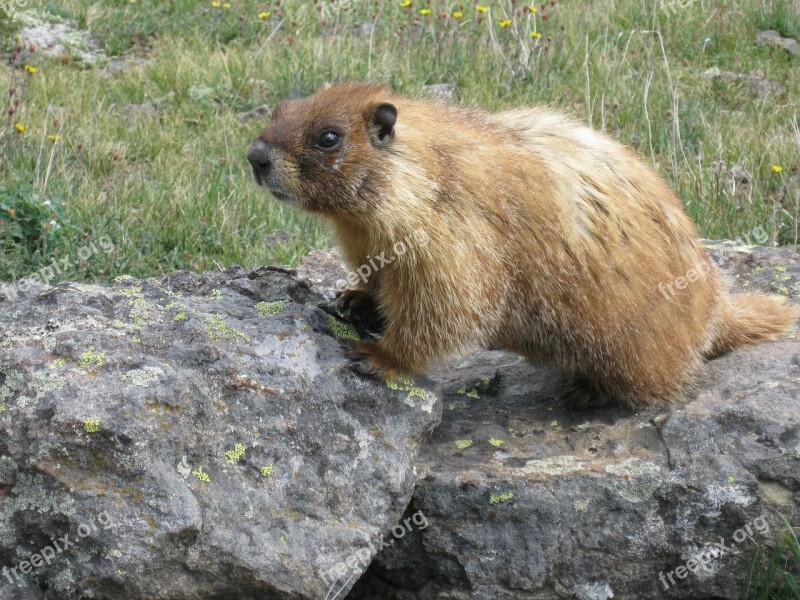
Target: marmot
x=544, y=237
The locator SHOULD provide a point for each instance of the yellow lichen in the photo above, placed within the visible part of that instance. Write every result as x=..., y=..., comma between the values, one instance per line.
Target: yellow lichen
x=463, y=444
x=91, y=425
x=501, y=498
x=270, y=309
x=235, y=455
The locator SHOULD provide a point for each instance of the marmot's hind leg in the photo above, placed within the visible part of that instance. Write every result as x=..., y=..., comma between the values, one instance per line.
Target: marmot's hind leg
x=582, y=394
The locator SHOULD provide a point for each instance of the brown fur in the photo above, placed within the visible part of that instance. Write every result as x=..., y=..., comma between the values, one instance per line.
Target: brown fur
x=546, y=238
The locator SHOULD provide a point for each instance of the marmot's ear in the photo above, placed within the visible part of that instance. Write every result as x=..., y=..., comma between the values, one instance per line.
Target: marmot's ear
x=384, y=116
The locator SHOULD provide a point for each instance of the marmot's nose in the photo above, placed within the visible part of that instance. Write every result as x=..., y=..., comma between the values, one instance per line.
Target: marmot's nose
x=260, y=156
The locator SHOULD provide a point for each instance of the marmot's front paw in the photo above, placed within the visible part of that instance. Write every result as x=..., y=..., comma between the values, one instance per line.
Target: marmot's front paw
x=368, y=360
x=361, y=310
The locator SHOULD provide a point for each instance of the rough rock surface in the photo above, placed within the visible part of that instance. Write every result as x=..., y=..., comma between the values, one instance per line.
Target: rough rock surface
x=118, y=402
x=202, y=432
x=774, y=38
x=525, y=499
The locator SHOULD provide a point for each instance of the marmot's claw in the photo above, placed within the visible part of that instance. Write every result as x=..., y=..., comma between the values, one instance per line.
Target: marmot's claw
x=582, y=395
x=365, y=360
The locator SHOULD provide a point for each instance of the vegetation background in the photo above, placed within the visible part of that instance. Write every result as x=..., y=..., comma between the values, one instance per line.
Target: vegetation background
x=138, y=138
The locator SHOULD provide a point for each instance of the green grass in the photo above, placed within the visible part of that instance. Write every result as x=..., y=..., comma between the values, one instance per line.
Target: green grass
x=171, y=188
x=774, y=576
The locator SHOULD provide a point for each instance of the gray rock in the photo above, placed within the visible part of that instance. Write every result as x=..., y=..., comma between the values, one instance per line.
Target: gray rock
x=203, y=432
x=116, y=400
x=757, y=83
x=140, y=111
x=441, y=90
x=61, y=40
x=259, y=111
x=525, y=499
x=773, y=38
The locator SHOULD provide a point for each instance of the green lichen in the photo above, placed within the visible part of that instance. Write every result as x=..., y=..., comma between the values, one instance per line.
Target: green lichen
x=144, y=377
x=780, y=269
x=496, y=442
x=473, y=393
x=91, y=425
x=131, y=291
x=235, y=455
x=28, y=494
x=201, y=475
x=636, y=479
x=43, y=383
x=554, y=424
x=90, y=357
x=123, y=279
x=580, y=505
x=463, y=444
x=403, y=384
x=181, y=316
x=267, y=471
x=215, y=295
x=139, y=312
x=342, y=330
x=217, y=329
x=731, y=479
x=14, y=383
x=58, y=363
x=270, y=309
x=500, y=498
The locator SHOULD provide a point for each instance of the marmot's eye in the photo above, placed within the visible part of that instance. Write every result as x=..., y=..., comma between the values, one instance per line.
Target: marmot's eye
x=329, y=140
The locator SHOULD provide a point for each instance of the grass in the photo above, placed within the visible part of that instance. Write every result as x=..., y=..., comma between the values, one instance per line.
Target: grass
x=168, y=184
x=774, y=576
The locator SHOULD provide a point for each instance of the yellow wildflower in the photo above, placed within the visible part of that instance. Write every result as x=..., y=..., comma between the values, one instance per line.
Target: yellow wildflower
x=777, y=169
x=226, y=5
x=405, y=4
x=425, y=11
x=481, y=8
x=54, y=137
x=505, y=22
x=20, y=127
x=31, y=69
x=215, y=4
x=458, y=15
x=535, y=35
x=531, y=8
x=264, y=15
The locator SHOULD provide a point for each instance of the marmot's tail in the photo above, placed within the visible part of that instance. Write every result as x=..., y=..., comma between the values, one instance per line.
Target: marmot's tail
x=752, y=318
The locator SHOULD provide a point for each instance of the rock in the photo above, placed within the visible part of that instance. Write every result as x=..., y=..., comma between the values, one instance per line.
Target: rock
x=442, y=90
x=525, y=499
x=773, y=38
x=259, y=111
x=118, y=401
x=195, y=437
x=55, y=38
x=756, y=82
x=140, y=111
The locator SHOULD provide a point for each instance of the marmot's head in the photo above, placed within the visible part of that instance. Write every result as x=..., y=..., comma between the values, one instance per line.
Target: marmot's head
x=327, y=152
